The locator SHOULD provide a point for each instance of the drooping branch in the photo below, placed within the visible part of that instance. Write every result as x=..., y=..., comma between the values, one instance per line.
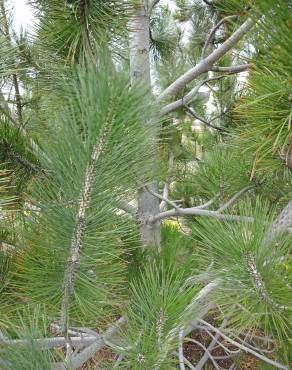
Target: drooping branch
x=207, y=63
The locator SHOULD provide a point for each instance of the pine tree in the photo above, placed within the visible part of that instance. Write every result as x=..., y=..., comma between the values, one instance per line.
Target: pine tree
x=146, y=185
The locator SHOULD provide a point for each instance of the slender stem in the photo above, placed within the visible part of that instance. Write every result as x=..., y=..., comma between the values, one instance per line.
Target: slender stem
x=213, y=31
x=235, y=198
x=233, y=69
x=194, y=114
x=162, y=198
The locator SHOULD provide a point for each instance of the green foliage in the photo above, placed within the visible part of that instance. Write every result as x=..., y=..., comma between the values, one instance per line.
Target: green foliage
x=255, y=274
x=266, y=108
x=161, y=304
x=165, y=34
x=74, y=28
x=28, y=355
x=124, y=155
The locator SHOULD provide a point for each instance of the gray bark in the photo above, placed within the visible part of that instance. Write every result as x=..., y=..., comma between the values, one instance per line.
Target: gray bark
x=139, y=42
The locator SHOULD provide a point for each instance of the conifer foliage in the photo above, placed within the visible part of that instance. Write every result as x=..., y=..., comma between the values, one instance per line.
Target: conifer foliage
x=84, y=137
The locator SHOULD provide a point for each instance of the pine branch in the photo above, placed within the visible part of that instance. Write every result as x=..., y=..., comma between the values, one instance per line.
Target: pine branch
x=235, y=198
x=232, y=69
x=259, y=283
x=49, y=343
x=207, y=63
x=78, y=234
x=78, y=360
x=188, y=97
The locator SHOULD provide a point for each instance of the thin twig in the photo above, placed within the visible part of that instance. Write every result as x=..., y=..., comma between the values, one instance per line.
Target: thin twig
x=235, y=198
x=208, y=124
x=232, y=69
x=211, y=346
x=213, y=31
x=244, y=348
x=206, y=352
x=161, y=197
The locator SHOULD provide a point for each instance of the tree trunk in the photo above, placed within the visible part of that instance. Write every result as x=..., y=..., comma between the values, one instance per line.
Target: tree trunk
x=139, y=42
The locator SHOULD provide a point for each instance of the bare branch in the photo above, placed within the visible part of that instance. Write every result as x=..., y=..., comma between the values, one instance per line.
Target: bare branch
x=205, y=357
x=48, y=343
x=213, y=31
x=207, y=352
x=188, y=97
x=233, y=69
x=208, y=124
x=78, y=360
x=235, y=198
x=161, y=198
x=194, y=211
x=207, y=63
x=244, y=348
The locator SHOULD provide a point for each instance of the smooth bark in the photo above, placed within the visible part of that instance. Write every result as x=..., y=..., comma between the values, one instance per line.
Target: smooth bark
x=139, y=42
